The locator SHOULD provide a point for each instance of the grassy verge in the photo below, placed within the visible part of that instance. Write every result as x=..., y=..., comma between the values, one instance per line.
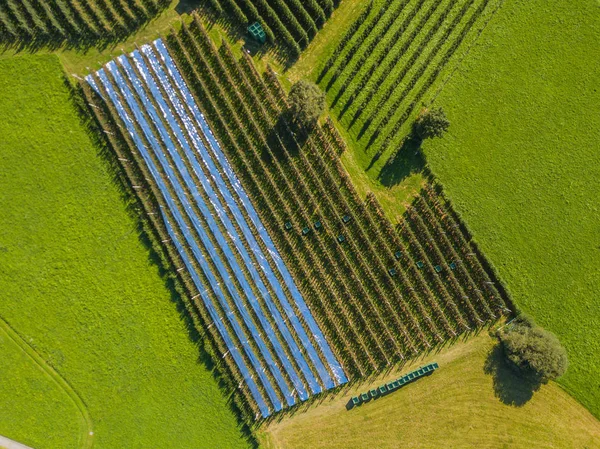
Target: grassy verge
x=521, y=164
x=79, y=286
x=466, y=403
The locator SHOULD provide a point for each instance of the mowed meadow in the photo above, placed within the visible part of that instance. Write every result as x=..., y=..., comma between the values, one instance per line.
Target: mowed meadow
x=521, y=164
x=463, y=404
x=79, y=285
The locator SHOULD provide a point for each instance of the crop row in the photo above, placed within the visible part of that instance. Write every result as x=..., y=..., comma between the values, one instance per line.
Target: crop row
x=75, y=21
x=293, y=23
x=387, y=308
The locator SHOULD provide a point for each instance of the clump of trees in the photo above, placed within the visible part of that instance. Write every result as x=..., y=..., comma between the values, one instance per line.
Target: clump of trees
x=430, y=123
x=307, y=103
x=533, y=352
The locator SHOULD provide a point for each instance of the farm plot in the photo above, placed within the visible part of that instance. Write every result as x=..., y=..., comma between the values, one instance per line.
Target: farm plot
x=246, y=289
x=379, y=294
x=388, y=63
x=375, y=303
x=82, y=22
x=293, y=23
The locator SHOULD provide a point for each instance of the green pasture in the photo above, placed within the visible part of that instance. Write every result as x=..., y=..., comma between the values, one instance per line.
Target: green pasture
x=34, y=410
x=79, y=285
x=521, y=164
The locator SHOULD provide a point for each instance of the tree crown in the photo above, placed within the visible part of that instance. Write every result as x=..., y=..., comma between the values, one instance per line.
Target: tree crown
x=534, y=352
x=431, y=123
x=307, y=103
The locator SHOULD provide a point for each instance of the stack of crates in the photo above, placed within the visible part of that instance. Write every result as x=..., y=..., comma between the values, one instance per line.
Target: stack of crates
x=394, y=385
x=257, y=32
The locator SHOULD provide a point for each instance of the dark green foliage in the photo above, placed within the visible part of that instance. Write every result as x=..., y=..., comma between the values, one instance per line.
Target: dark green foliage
x=290, y=24
x=534, y=352
x=37, y=23
x=307, y=103
x=431, y=123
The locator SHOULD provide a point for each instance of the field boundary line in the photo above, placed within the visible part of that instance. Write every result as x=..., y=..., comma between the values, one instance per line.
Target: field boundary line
x=87, y=440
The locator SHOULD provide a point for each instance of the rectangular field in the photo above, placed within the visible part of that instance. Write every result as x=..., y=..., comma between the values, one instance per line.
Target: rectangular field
x=80, y=284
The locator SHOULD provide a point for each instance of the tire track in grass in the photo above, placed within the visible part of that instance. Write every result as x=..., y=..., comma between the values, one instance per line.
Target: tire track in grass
x=88, y=436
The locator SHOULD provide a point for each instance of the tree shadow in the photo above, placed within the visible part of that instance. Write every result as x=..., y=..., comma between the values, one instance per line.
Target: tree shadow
x=284, y=139
x=406, y=160
x=509, y=387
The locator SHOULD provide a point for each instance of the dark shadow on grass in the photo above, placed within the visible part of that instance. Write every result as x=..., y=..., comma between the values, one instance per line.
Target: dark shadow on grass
x=405, y=161
x=187, y=6
x=284, y=140
x=509, y=387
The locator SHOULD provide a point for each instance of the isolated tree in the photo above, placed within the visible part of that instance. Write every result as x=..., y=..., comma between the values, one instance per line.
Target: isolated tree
x=430, y=123
x=307, y=103
x=533, y=352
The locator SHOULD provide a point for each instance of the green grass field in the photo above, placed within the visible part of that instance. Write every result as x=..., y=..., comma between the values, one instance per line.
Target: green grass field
x=79, y=286
x=34, y=409
x=521, y=163
x=464, y=404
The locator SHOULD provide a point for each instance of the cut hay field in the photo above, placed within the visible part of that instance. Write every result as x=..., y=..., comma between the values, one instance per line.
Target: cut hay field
x=78, y=284
x=521, y=164
x=456, y=407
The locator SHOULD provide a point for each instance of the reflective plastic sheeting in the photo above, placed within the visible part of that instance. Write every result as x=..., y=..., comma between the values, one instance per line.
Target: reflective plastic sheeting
x=333, y=363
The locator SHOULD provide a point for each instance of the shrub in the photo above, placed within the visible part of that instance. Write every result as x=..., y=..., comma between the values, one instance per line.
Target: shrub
x=431, y=123
x=533, y=352
x=307, y=103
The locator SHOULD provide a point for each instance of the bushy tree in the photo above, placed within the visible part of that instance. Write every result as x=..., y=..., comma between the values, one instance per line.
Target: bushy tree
x=533, y=352
x=430, y=123
x=307, y=103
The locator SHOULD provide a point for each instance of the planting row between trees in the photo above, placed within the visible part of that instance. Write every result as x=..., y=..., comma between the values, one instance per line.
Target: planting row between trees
x=75, y=22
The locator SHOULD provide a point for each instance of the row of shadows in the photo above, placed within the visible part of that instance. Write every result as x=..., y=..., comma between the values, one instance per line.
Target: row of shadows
x=78, y=23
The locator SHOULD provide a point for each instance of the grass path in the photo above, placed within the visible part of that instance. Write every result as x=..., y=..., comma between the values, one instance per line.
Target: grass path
x=87, y=438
